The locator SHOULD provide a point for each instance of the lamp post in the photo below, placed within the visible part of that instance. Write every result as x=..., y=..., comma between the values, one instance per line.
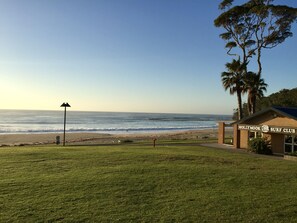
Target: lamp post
x=65, y=105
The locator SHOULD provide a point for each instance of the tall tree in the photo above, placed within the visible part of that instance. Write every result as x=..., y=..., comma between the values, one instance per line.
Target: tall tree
x=255, y=86
x=254, y=26
x=233, y=80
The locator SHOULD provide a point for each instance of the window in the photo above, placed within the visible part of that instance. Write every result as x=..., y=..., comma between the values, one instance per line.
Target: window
x=290, y=144
x=253, y=135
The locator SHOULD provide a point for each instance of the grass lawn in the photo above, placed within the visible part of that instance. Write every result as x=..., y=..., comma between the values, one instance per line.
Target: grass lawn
x=136, y=183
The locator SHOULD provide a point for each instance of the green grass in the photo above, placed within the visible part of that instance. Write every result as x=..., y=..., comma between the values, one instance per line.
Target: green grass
x=136, y=183
x=163, y=142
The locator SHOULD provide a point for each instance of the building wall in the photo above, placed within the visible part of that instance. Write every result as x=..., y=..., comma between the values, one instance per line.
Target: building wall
x=244, y=139
x=221, y=133
x=270, y=119
x=277, y=143
x=236, y=137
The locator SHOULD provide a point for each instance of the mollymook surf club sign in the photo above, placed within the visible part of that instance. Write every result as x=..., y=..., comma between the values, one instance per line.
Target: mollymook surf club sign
x=268, y=129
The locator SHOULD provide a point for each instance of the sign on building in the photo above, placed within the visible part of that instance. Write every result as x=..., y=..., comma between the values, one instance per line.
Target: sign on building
x=267, y=129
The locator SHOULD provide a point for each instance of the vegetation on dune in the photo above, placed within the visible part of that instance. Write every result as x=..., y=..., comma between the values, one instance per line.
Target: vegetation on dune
x=283, y=98
x=136, y=183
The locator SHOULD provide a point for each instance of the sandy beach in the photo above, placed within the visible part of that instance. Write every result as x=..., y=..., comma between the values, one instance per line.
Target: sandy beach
x=98, y=138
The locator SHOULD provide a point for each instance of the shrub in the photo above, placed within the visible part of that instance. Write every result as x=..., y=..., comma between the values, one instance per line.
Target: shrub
x=127, y=141
x=260, y=146
x=292, y=154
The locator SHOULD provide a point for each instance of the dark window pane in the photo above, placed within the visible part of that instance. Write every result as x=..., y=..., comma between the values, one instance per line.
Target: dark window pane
x=295, y=140
x=251, y=135
x=288, y=148
x=288, y=139
x=259, y=134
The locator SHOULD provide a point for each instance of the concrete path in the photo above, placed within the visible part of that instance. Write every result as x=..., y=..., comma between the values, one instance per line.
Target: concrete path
x=232, y=149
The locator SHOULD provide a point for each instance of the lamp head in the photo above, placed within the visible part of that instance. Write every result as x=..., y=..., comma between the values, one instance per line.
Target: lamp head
x=65, y=104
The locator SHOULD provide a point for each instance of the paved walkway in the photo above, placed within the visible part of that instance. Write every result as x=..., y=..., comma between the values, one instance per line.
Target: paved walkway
x=219, y=146
x=232, y=149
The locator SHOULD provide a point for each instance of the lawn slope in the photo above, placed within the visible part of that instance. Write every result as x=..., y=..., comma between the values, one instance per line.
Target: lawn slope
x=137, y=183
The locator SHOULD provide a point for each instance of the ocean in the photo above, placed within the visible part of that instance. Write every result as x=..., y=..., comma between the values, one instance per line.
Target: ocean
x=25, y=121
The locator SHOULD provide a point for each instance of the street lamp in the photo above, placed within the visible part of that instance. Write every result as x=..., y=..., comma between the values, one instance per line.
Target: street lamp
x=65, y=105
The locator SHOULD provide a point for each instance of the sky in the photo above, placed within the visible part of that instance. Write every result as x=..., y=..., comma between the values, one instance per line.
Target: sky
x=124, y=56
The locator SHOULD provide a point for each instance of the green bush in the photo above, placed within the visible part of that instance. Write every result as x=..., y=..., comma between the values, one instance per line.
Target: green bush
x=260, y=146
x=127, y=141
x=292, y=154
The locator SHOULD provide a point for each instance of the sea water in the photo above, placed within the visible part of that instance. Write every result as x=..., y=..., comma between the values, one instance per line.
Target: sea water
x=24, y=121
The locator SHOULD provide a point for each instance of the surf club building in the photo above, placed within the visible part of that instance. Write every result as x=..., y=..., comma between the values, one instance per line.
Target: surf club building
x=277, y=124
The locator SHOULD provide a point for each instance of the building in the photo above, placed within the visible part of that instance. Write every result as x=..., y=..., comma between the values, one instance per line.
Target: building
x=277, y=124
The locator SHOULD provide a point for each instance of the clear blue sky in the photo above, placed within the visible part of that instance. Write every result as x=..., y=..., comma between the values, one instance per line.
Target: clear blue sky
x=123, y=55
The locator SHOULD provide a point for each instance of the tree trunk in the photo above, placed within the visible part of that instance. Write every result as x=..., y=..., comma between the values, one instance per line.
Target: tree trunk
x=239, y=101
x=249, y=103
x=253, y=99
x=253, y=104
x=259, y=63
